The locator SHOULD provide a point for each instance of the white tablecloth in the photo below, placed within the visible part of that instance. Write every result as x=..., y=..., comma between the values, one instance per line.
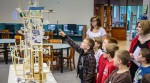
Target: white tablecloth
x=7, y=41
x=12, y=78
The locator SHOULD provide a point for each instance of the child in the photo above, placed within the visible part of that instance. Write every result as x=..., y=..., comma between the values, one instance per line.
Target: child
x=109, y=52
x=145, y=78
x=86, y=62
x=102, y=61
x=144, y=59
x=121, y=75
x=97, y=49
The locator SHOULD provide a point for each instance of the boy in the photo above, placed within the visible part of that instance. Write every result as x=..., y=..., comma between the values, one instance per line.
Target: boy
x=144, y=59
x=109, y=52
x=86, y=62
x=122, y=74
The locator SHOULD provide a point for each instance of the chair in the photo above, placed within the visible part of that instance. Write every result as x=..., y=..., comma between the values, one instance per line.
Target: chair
x=18, y=32
x=56, y=41
x=5, y=34
x=56, y=52
x=48, y=54
x=18, y=38
x=70, y=59
x=49, y=34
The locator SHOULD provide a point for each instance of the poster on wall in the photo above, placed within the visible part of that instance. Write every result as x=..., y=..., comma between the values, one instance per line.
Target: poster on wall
x=145, y=8
x=80, y=28
x=14, y=15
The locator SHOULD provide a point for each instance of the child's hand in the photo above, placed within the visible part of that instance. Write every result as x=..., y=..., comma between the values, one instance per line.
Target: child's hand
x=62, y=33
x=131, y=55
x=97, y=75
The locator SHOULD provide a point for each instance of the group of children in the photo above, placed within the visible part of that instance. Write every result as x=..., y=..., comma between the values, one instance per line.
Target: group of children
x=101, y=61
x=112, y=63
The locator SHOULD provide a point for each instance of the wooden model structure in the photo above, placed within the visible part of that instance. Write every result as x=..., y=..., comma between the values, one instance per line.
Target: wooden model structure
x=27, y=57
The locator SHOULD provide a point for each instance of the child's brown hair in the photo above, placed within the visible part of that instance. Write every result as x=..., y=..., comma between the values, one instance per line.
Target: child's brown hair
x=145, y=52
x=90, y=42
x=99, y=41
x=98, y=22
x=145, y=78
x=123, y=55
x=111, y=39
x=111, y=48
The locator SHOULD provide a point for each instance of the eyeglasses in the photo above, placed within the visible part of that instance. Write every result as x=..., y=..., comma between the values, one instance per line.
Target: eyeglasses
x=94, y=20
x=104, y=52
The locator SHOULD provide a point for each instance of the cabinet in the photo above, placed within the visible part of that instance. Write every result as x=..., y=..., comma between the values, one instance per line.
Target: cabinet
x=118, y=30
x=104, y=11
x=119, y=33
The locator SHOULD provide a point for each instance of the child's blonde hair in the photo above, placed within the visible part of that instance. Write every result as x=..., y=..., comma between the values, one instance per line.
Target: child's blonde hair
x=111, y=48
x=145, y=26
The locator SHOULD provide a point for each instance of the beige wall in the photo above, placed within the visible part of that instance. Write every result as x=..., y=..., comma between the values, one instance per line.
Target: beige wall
x=66, y=11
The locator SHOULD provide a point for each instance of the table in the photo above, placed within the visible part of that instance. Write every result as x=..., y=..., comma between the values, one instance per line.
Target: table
x=12, y=78
x=55, y=47
x=60, y=47
x=6, y=42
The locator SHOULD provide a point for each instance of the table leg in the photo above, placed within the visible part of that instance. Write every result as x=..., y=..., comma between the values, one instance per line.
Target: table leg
x=67, y=56
x=61, y=60
x=5, y=53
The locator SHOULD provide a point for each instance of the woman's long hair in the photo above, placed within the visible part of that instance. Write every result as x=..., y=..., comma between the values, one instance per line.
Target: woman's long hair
x=98, y=22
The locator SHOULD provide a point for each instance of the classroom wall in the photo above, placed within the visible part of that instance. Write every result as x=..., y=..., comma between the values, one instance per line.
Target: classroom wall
x=147, y=2
x=66, y=11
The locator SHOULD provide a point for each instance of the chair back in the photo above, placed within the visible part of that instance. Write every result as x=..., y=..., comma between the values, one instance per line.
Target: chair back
x=18, y=38
x=5, y=34
x=72, y=52
x=57, y=41
x=70, y=58
x=48, y=53
x=49, y=34
x=18, y=32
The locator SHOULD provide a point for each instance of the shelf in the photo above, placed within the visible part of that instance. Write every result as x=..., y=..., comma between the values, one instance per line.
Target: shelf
x=69, y=35
x=104, y=11
x=74, y=35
